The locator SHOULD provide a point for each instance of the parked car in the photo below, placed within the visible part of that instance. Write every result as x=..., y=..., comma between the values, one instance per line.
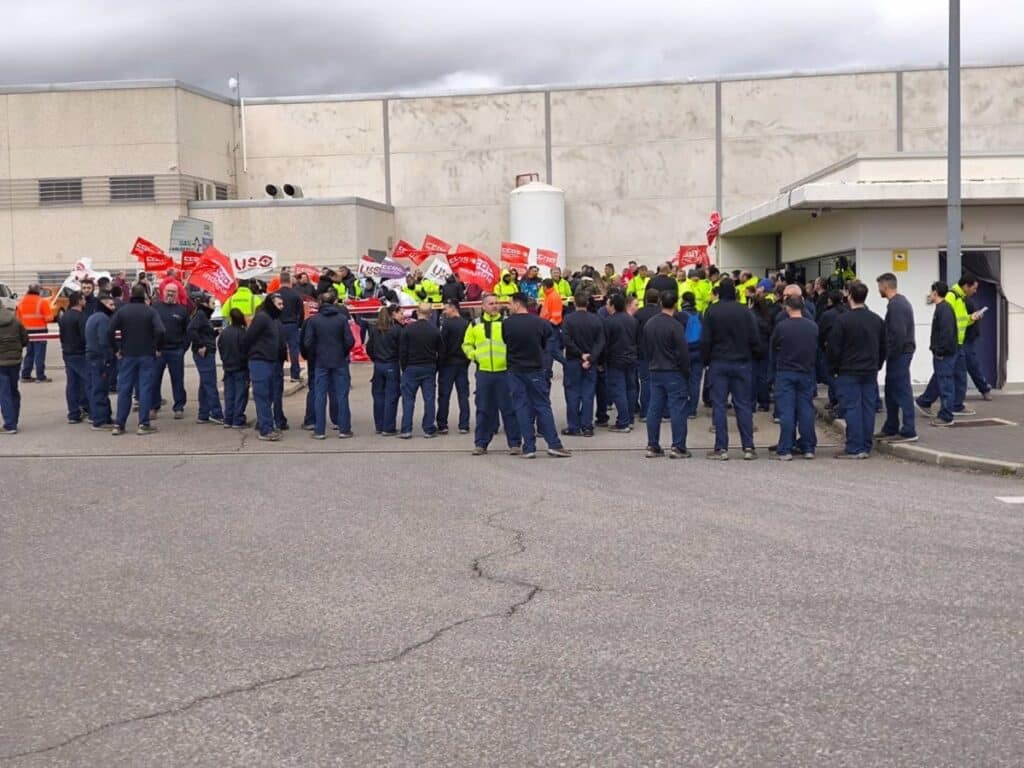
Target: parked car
x=8, y=298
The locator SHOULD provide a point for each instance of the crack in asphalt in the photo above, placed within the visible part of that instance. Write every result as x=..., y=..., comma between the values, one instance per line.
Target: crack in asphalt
x=477, y=570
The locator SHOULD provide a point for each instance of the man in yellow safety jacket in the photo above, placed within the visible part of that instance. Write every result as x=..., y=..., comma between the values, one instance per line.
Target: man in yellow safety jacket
x=421, y=289
x=244, y=300
x=561, y=284
x=505, y=286
x=637, y=286
x=484, y=345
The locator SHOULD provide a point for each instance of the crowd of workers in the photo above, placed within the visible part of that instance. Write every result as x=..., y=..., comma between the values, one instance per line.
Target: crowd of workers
x=651, y=346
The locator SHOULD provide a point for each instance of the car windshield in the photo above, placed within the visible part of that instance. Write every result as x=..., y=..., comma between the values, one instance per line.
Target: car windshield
x=5, y=292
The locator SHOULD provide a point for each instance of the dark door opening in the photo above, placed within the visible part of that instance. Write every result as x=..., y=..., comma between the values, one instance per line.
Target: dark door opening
x=992, y=345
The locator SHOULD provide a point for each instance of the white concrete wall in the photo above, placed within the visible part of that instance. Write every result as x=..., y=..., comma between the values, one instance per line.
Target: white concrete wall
x=1013, y=287
x=206, y=137
x=330, y=149
x=645, y=156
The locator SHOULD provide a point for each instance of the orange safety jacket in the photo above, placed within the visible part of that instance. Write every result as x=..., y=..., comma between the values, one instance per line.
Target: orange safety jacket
x=34, y=312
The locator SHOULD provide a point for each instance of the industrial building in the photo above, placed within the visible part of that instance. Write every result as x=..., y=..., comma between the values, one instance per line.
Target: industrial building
x=87, y=167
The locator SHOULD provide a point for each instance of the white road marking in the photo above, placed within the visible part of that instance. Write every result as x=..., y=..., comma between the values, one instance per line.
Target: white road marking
x=1010, y=499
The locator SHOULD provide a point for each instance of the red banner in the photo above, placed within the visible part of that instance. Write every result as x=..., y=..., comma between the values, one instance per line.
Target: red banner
x=151, y=256
x=404, y=250
x=214, y=275
x=311, y=271
x=515, y=255
x=474, y=267
x=547, y=258
x=692, y=256
x=714, y=224
x=433, y=244
x=189, y=259
x=358, y=352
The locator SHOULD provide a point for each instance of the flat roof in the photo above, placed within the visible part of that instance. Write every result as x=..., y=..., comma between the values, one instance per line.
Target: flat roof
x=289, y=202
x=98, y=85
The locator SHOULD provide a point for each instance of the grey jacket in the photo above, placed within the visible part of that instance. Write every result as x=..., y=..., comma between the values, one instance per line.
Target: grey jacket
x=13, y=338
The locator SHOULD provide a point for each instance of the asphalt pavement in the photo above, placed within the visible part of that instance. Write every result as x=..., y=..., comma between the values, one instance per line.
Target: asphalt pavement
x=197, y=598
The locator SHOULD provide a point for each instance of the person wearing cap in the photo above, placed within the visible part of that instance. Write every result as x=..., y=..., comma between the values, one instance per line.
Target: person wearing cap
x=203, y=340
x=452, y=368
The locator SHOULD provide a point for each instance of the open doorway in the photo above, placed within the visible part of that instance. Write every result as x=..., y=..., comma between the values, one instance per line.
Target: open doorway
x=809, y=270
x=992, y=345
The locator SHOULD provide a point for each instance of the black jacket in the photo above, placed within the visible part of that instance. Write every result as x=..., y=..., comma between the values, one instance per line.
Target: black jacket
x=583, y=333
x=526, y=337
x=944, y=336
x=382, y=346
x=453, y=290
x=141, y=329
x=293, y=310
x=794, y=345
x=72, y=332
x=620, y=338
x=175, y=320
x=453, y=331
x=328, y=337
x=419, y=344
x=899, y=327
x=201, y=333
x=232, y=358
x=664, y=345
x=729, y=333
x=661, y=283
x=856, y=343
x=825, y=322
x=263, y=338
x=642, y=315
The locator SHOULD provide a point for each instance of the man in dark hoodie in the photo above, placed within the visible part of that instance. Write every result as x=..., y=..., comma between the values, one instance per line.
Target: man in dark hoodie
x=620, y=362
x=13, y=339
x=174, y=316
x=72, y=346
x=651, y=308
x=99, y=356
x=452, y=368
x=203, y=339
x=141, y=333
x=944, y=348
x=262, y=345
x=329, y=338
x=730, y=342
x=665, y=348
x=418, y=350
x=236, y=370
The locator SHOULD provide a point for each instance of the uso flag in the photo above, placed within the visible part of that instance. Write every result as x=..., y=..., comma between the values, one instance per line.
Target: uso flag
x=215, y=275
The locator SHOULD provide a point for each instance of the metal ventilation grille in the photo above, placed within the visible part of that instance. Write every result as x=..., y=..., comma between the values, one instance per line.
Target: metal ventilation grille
x=161, y=189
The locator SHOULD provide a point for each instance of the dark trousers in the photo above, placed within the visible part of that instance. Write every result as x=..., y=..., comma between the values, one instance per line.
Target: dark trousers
x=762, y=383
x=134, y=373
x=76, y=388
x=277, y=396
x=553, y=351
x=338, y=381
x=857, y=398
x=35, y=357
x=113, y=375
x=209, y=397
x=291, y=335
x=10, y=396
x=643, y=374
x=622, y=391
x=899, y=397
x=385, y=386
x=932, y=391
x=236, y=397
x=417, y=378
x=601, y=398
x=173, y=360
x=100, y=371
x=261, y=372
x=696, y=374
x=530, y=393
x=731, y=380
x=794, y=400
x=945, y=383
x=579, y=385
x=492, y=398
x=669, y=389
x=453, y=376
x=973, y=366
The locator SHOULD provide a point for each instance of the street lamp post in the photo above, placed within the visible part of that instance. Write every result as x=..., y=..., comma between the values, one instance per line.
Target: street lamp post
x=235, y=85
x=953, y=209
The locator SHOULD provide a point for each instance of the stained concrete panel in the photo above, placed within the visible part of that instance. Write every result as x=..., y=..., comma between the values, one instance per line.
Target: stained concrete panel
x=632, y=115
x=319, y=175
x=501, y=121
x=482, y=226
x=465, y=177
x=206, y=137
x=640, y=170
x=320, y=129
x=97, y=160
x=991, y=97
x=4, y=143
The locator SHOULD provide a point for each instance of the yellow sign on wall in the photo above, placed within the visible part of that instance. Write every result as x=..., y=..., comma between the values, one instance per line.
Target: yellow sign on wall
x=900, y=260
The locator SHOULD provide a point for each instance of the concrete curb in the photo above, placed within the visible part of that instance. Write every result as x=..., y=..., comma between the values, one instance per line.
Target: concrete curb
x=922, y=455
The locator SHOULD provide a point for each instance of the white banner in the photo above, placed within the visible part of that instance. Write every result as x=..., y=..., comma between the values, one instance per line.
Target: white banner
x=438, y=270
x=81, y=270
x=253, y=263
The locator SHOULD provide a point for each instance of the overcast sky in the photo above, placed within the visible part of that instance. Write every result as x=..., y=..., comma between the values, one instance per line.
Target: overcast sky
x=341, y=46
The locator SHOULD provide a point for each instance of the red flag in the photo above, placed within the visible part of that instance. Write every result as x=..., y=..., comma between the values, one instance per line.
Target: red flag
x=714, y=225
x=358, y=352
x=515, y=255
x=547, y=258
x=474, y=267
x=692, y=256
x=151, y=256
x=214, y=275
x=433, y=244
x=404, y=250
x=189, y=259
x=308, y=269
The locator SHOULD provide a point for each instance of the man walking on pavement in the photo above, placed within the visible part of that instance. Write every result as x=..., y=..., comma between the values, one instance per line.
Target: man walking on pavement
x=484, y=344
x=968, y=289
x=944, y=348
x=899, y=349
x=453, y=368
x=667, y=354
x=856, y=349
x=141, y=333
x=583, y=332
x=526, y=338
x=419, y=347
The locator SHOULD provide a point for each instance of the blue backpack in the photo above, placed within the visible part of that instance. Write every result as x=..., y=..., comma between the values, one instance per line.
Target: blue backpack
x=694, y=328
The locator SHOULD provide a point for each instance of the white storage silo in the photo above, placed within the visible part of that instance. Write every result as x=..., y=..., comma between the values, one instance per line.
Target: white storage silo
x=537, y=220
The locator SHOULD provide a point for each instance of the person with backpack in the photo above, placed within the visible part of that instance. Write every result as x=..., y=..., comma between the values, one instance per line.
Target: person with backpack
x=694, y=327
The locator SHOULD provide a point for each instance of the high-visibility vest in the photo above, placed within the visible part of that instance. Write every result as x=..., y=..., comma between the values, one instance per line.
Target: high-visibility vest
x=503, y=290
x=484, y=345
x=958, y=301
x=425, y=290
x=244, y=300
x=703, y=295
x=342, y=291
x=741, y=289
x=34, y=312
x=638, y=287
x=563, y=288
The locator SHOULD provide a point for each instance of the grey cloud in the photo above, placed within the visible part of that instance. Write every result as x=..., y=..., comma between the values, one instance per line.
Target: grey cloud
x=325, y=47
